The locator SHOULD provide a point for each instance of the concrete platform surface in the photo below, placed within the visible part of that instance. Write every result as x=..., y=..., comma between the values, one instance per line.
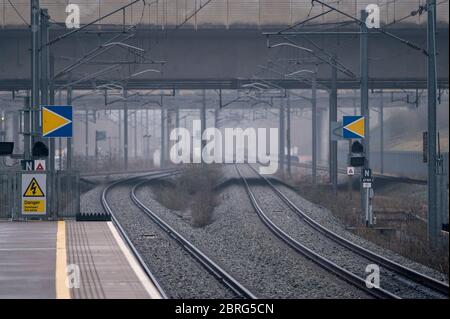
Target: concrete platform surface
x=105, y=271
x=27, y=260
x=79, y=260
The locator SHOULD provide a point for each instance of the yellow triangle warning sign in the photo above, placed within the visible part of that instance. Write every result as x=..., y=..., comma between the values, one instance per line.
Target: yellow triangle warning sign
x=357, y=127
x=33, y=190
x=52, y=121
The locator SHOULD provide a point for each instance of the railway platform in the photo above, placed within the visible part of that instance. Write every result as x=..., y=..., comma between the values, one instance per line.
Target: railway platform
x=69, y=260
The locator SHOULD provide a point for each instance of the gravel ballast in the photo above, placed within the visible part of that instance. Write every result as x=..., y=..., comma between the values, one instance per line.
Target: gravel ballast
x=326, y=218
x=243, y=246
x=279, y=213
x=179, y=275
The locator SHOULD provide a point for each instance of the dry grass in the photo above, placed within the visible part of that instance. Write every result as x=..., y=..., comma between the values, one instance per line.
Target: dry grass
x=170, y=196
x=192, y=191
x=202, y=207
x=410, y=236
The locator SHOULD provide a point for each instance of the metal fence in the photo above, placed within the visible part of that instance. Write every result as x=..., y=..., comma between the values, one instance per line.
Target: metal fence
x=399, y=163
x=62, y=195
x=67, y=195
x=8, y=190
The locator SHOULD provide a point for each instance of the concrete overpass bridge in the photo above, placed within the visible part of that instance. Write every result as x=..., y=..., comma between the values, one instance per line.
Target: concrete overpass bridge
x=220, y=58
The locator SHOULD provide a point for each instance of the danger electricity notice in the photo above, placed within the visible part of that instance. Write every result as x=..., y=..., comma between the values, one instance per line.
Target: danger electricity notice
x=34, y=206
x=34, y=194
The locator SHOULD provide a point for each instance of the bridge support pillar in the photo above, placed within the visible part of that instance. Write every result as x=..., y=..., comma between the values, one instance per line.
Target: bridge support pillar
x=125, y=129
x=15, y=131
x=332, y=153
x=27, y=115
x=314, y=128
x=163, y=134
x=86, y=133
x=52, y=102
x=203, y=122
x=433, y=209
x=120, y=134
x=147, y=138
x=288, y=134
x=69, y=140
x=282, y=137
x=381, y=123
x=135, y=134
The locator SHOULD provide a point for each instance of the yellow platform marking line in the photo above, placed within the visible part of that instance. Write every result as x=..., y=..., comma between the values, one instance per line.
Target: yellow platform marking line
x=152, y=291
x=62, y=291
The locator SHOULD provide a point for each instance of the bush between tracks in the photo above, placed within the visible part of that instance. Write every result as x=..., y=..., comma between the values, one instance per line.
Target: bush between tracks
x=192, y=191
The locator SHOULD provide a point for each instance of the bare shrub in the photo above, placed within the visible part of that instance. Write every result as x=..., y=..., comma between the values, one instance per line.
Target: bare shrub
x=170, y=196
x=202, y=208
x=195, y=177
x=193, y=190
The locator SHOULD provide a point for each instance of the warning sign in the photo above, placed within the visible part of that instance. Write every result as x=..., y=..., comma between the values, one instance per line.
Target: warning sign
x=34, y=194
x=39, y=165
x=350, y=171
x=33, y=207
x=34, y=190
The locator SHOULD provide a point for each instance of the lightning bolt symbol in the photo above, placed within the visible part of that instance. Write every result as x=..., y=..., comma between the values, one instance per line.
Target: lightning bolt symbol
x=33, y=188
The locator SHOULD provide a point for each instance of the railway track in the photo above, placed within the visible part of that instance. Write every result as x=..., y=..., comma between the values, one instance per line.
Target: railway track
x=222, y=276
x=398, y=272
x=123, y=233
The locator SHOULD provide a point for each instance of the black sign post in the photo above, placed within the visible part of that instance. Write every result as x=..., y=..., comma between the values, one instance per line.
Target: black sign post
x=425, y=147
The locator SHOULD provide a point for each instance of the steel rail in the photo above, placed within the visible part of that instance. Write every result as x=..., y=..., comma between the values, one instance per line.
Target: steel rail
x=326, y=264
x=220, y=274
x=409, y=273
x=124, y=235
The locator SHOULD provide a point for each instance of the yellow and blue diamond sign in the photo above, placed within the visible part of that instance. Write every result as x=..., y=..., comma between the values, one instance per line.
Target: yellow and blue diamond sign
x=353, y=127
x=57, y=121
